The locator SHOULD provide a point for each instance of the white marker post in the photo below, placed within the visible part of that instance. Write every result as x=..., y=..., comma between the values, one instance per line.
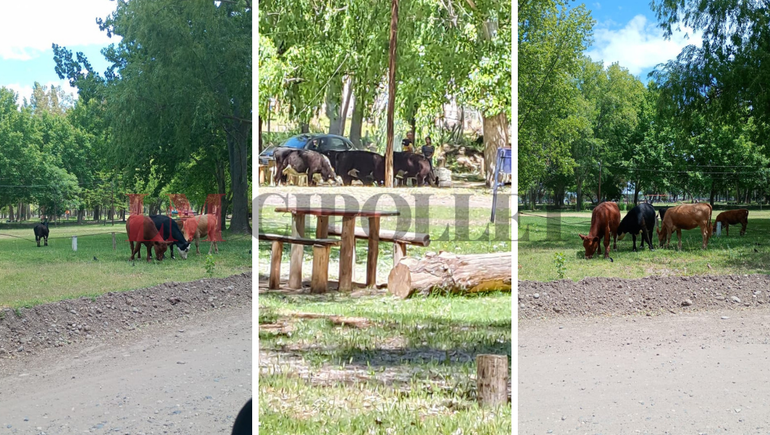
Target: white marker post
x=75, y=243
x=719, y=229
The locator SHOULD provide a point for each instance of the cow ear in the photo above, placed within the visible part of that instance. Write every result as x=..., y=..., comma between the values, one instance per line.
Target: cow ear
x=582, y=236
x=597, y=239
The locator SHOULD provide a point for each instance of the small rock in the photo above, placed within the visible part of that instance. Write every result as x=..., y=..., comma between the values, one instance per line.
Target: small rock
x=686, y=302
x=536, y=295
x=725, y=317
x=735, y=299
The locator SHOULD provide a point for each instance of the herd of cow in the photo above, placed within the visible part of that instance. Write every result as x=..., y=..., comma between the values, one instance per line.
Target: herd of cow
x=365, y=166
x=641, y=220
x=158, y=232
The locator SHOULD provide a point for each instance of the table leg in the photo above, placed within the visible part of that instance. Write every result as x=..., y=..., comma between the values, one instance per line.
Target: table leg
x=374, y=250
x=295, y=266
x=320, y=280
x=322, y=228
x=346, y=252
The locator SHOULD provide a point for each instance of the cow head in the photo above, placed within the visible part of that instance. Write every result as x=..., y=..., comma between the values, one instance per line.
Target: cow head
x=661, y=236
x=160, y=249
x=621, y=236
x=591, y=244
x=184, y=252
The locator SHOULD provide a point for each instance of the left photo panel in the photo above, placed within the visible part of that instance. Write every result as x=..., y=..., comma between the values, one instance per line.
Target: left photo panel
x=125, y=217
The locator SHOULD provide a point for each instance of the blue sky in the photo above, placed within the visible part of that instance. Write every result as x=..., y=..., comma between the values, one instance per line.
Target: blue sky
x=626, y=32
x=26, y=35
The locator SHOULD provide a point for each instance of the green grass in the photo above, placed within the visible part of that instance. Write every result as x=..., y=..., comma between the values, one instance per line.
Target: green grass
x=408, y=372
x=30, y=275
x=725, y=255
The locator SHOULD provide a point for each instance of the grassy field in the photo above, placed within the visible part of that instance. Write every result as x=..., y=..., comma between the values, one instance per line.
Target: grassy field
x=30, y=275
x=725, y=255
x=409, y=370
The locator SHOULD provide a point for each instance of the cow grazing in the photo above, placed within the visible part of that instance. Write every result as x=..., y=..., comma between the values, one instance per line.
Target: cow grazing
x=685, y=217
x=413, y=166
x=732, y=217
x=641, y=219
x=169, y=230
x=141, y=229
x=303, y=162
x=41, y=232
x=366, y=166
x=605, y=220
x=201, y=227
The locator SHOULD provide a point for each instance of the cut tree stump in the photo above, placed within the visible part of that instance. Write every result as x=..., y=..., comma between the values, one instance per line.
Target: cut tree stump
x=450, y=273
x=492, y=379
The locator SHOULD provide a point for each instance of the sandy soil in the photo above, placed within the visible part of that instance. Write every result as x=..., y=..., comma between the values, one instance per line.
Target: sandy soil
x=173, y=359
x=610, y=356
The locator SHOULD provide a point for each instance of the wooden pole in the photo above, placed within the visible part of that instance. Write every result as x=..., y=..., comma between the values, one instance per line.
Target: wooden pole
x=492, y=379
x=391, y=94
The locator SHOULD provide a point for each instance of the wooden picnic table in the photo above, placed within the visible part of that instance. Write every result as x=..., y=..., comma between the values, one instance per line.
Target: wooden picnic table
x=347, y=245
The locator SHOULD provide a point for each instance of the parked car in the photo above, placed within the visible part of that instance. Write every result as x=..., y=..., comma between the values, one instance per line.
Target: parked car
x=315, y=142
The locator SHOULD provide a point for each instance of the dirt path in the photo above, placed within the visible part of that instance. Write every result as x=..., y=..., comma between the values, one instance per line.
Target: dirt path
x=187, y=373
x=696, y=369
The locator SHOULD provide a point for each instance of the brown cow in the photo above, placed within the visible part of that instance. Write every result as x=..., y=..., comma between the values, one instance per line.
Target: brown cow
x=141, y=229
x=685, y=217
x=732, y=217
x=198, y=227
x=604, y=223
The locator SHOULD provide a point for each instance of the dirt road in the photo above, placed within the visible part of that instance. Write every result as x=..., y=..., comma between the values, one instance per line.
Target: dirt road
x=189, y=373
x=704, y=370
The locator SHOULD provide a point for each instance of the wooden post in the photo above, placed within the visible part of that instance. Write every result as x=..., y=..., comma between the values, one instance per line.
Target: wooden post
x=322, y=227
x=391, y=93
x=114, y=245
x=346, y=253
x=274, y=281
x=295, y=265
x=492, y=379
x=399, y=252
x=320, y=279
x=374, y=249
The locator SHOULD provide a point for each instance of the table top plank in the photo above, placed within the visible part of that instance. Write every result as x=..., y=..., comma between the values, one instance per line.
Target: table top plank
x=321, y=211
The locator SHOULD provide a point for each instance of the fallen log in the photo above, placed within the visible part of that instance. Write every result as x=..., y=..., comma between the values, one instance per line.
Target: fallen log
x=450, y=273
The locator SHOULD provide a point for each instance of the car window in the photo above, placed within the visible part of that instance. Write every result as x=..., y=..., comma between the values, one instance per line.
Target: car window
x=313, y=144
x=335, y=144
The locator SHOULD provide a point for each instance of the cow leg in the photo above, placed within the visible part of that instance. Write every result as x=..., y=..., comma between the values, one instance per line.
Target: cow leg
x=705, y=234
x=46, y=240
x=679, y=237
x=607, y=245
x=197, y=238
x=37, y=239
x=633, y=237
x=743, y=227
x=727, y=229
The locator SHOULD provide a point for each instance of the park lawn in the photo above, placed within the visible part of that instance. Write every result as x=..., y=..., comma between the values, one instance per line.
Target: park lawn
x=725, y=255
x=411, y=370
x=30, y=275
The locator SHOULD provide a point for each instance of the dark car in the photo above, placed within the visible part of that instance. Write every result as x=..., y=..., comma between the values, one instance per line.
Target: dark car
x=315, y=142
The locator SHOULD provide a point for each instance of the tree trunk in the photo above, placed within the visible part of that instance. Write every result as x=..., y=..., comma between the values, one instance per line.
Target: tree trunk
x=81, y=213
x=451, y=273
x=391, y=93
x=636, y=193
x=304, y=127
x=348, y=96
x=333, y=96
x=221, y=188
x=259, y=133
x=495, y=136
x=97, y=214
x=357, y=121
x=10, y=212
x=237, y=148
x=579, y=194
x=713, y=194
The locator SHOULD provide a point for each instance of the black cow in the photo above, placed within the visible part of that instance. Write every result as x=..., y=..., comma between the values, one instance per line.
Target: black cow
x=362, y=165
x=169, y=230
x=662, y=211
x=641, y=219
x=242, y=425
x=41, y=232
x=413, y=166
x=303, y=162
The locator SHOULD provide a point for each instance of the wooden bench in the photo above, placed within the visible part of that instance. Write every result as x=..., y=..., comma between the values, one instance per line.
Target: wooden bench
x=321, y=248
x=399, y=241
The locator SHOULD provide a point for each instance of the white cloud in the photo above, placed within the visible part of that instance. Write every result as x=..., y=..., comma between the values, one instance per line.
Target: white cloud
x=25, y=32
x=638, y=46
x=25, y=91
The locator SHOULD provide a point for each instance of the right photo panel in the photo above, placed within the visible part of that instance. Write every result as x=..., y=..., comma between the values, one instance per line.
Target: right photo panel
x=643, y=196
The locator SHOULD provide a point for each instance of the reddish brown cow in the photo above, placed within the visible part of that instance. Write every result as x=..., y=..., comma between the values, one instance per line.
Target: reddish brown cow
x=685, y=217
x=604, y=223
x=202, y=226
x=732, y=217
x=141, y=229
